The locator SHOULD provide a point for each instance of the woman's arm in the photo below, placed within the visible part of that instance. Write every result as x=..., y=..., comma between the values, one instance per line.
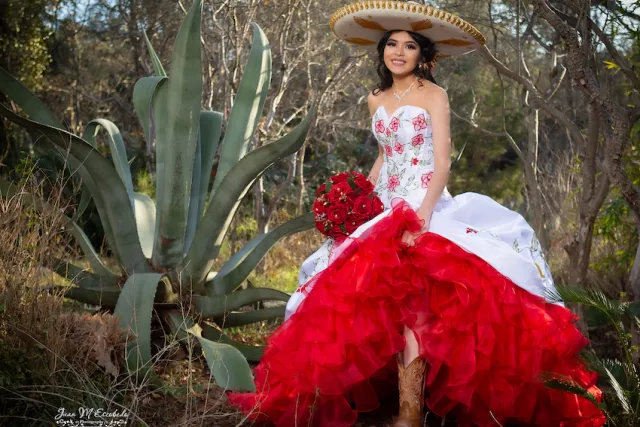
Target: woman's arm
x=440, y=124
x=374, y=173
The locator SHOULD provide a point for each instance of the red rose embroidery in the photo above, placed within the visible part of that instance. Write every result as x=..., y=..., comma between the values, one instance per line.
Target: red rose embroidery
x=388, y=132
x=393, y=182
x=471, y=230
x=426, y=179
x=419, y=122
x=394, y=124
x=387, y=149
x=417, y=140
x=398, y=148
x=414, y=161
x=380, y=126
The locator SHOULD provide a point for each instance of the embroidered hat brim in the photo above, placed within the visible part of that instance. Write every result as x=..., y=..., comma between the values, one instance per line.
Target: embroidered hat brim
x=365, y=22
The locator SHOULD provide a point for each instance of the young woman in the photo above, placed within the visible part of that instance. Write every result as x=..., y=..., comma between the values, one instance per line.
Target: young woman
x=444, y=294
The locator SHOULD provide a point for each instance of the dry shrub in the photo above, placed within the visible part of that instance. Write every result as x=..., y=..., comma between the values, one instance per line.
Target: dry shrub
x=51, y=358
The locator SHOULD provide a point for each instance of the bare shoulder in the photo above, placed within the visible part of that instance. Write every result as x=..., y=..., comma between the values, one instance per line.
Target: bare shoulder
x=435, y=97
x=373, y=100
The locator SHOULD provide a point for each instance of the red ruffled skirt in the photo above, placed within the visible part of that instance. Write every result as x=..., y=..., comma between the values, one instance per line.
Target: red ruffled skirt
x=486, y=341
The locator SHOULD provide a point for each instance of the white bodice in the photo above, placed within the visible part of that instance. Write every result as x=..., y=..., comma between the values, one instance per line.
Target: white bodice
x=406, y=138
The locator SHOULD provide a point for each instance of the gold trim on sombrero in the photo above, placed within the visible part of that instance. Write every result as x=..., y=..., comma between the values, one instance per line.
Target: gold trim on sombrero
x=454, y=42
x=359, y=41
x=365, y=23
x=425, y=24
x=428, y=11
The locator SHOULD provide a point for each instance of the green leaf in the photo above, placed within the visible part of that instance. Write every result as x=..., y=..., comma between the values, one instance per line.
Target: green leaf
x=223, y=204
x=210, y=130
x=143, y=93
x=194, y=199
x=110, y=195
x=252, y=353
x=620, y=392
x=247, y=105
x=231, y=276
x=89, y=252
x=145, y=212
x=134, y=309
x=98, y=294
x=157, y=65
x=241, y=318
x=209, y=307
x=117, y=148
x=228, y=366
x=26, y=100
x=180, y=117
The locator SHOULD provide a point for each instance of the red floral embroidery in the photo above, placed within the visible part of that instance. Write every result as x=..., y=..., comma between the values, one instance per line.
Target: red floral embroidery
x=387, y=149
x=414, y=161
x=419, y=122
x=471, y=230
x=394, y=124
x=426, y=179
x=388, y=132
x=398, y=148
x=417, y=140
x=393, y=182
x=380, y=126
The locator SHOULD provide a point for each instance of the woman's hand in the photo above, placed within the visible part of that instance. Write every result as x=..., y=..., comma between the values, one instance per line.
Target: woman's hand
x=408, y=238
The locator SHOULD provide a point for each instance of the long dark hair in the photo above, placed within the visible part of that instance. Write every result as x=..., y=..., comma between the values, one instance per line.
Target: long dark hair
x=423, y=67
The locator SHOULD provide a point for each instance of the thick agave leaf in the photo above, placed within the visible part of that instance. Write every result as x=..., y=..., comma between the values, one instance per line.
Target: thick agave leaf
x=89, y=252
x=225, y=282
x=228, y=366
x=145, y=212
x=241, y=318
x=180, y=117
x=210, y=130
x=216, y=307
x=134, y=309
x=223, y=204
x=252, y=353
x=110, y=195
x=157, y=65
x=247, y=106
x=116, y=147
x=194, y=199
x=26, y=100
x=143, y=93
x=105, y=296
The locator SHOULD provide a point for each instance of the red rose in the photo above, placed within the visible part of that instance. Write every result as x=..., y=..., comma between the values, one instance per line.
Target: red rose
x=351, y=224
x=426, y=179
x=364, y=184
x=319, y=207
x=341, y=177
x=363, y=207
x=378, y=206
x=321, y=189
x=338, y=190
x=337, y=213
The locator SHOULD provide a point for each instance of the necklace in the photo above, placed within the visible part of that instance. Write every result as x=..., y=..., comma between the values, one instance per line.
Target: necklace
x=399, y=97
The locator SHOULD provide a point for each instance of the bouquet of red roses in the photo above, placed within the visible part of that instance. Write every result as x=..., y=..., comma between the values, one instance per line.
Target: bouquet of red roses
x=345, y=202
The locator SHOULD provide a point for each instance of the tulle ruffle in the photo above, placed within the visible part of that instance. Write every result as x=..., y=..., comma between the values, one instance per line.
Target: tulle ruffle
x=486, y=340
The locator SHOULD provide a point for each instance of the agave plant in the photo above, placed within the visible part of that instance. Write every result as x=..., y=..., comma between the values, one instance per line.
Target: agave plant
x=166, y=250
x=622, y=403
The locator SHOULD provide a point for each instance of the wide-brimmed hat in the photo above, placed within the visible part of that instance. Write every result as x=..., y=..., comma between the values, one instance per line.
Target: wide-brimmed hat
x=365, y=22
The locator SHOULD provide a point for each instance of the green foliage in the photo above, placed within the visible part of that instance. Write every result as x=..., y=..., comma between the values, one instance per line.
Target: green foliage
x=174, y=246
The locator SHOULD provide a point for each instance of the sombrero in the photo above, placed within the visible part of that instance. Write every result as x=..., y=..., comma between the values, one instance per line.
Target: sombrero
x=365, y=22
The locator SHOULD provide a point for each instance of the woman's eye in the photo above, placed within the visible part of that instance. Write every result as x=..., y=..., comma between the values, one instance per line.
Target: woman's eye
x=390, y=44
x=411, y=46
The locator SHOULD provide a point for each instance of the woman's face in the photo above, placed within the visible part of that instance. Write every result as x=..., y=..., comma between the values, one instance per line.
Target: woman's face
x=401, y=53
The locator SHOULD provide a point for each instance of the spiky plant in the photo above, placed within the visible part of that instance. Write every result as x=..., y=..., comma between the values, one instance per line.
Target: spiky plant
x=622, y=404
x=165, y=250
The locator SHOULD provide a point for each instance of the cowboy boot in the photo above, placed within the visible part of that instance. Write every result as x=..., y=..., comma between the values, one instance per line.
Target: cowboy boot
x=411, y=385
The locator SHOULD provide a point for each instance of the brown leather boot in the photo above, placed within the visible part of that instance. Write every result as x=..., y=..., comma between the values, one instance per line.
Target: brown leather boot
x=411, y=385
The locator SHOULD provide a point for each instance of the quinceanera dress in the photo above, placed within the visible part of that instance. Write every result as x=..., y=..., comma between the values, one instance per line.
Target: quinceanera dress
x=472, y=289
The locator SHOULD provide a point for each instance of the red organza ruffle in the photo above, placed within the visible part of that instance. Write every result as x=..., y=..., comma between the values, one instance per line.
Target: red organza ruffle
x=486, y=340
